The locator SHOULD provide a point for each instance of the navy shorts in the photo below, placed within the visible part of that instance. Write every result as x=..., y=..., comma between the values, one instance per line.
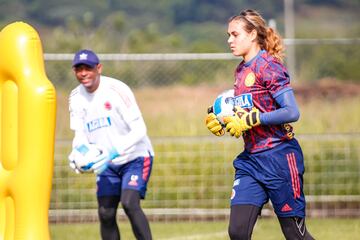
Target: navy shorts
x=275, y=174
x=132, y=175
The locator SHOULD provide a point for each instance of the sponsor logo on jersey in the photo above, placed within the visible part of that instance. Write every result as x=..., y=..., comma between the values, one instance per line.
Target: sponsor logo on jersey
x=250, y=79
x=133, y=180
x=98, y=123
x=244, y=100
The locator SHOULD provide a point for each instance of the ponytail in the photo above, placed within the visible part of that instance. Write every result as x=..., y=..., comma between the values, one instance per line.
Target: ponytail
x=267, y=38
x=273, y=44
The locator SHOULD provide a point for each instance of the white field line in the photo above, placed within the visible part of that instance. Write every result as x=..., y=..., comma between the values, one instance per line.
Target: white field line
x=199, y=236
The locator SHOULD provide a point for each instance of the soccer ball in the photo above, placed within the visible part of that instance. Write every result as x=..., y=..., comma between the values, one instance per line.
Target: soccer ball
x=224, y=105
x=86, y=155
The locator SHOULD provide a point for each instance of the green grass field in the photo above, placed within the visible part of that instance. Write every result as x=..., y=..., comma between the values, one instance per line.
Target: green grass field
x=266, y=228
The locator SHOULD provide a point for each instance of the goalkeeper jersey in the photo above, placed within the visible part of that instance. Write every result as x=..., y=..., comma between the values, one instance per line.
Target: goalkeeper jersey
x=104, y=116
x=257, y=84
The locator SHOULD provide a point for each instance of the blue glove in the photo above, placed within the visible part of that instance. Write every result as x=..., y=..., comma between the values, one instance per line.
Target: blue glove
x=81, y=156
x=86, y=158
x=101, y=162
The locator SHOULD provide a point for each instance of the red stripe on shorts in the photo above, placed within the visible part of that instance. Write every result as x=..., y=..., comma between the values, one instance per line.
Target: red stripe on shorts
x=294, y=174
x=146, y=168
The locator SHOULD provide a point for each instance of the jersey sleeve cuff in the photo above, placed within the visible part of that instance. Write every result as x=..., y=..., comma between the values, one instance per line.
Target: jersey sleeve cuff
x=275, y=95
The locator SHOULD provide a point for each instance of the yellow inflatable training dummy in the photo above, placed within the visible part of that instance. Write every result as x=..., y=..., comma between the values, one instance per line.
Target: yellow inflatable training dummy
x=27, y=129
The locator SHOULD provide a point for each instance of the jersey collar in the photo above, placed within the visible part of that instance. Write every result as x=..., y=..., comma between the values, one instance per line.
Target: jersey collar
x=254, y=58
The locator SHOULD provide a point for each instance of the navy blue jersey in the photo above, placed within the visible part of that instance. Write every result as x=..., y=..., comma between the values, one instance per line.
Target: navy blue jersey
x=257, y=84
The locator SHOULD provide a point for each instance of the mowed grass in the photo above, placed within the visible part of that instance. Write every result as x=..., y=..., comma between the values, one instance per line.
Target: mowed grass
x=266, y=228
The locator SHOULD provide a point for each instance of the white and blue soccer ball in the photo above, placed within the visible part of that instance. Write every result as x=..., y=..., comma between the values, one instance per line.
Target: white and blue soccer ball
x=224, y=105
x=86, y=156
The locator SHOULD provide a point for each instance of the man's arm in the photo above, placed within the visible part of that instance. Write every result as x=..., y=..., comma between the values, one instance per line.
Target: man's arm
x=136, y=133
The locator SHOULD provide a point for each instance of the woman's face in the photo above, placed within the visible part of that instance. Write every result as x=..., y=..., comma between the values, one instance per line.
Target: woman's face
x=89, y=77
x=240, y=41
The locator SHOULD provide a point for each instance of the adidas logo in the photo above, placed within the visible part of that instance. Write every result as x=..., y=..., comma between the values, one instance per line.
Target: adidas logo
x=286, y=208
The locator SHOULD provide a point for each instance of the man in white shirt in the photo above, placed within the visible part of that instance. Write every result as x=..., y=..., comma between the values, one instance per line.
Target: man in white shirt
x=104, y=113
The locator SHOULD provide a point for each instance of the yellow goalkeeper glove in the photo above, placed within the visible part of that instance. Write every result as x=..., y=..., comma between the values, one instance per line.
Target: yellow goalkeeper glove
x=213, y=124
x=242, y=121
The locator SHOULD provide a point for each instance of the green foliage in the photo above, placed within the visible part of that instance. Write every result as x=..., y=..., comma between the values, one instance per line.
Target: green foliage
x=340, y=62
x=161, y=26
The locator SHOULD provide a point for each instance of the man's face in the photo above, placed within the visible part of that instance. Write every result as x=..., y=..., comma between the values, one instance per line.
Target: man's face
x=89, y=77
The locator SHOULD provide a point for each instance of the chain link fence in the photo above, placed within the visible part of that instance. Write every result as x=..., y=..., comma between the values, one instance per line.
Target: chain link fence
x=315, y=59
x=192, y=178
x=142, y=70
x=192, y=175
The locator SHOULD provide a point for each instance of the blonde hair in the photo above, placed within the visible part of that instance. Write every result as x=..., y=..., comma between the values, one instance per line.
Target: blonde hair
x=267, y=37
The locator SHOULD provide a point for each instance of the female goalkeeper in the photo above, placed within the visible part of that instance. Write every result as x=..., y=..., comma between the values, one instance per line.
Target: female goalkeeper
x=271, y=166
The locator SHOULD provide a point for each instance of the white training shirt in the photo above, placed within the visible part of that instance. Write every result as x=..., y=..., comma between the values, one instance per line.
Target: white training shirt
x=110, y=118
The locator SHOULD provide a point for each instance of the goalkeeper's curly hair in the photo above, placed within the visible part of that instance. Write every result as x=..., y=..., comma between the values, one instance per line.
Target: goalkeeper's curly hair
x=267, y=37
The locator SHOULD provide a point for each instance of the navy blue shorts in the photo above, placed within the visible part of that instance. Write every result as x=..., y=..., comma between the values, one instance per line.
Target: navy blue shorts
x=275, y=174
x=132, y=175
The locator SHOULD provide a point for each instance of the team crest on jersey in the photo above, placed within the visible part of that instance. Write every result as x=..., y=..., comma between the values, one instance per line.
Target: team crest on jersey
x=98, y=123
x=107, y=106
x=244, y=100
x=250, y=79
